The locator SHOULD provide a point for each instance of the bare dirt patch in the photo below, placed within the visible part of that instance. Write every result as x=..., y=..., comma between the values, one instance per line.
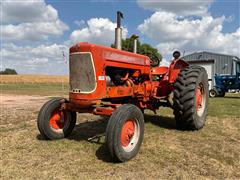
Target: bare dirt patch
x=19, y=108
x=11, y=101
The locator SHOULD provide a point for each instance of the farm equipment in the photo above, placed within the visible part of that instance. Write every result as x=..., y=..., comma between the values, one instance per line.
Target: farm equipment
x=225, y=83
x=110, y=82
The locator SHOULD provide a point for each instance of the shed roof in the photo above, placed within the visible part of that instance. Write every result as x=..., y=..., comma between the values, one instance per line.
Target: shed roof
x=213, y=53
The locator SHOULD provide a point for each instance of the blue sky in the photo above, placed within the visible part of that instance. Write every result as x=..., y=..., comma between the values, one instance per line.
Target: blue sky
x=133, y=14
x=69, y=11
x=34, y=33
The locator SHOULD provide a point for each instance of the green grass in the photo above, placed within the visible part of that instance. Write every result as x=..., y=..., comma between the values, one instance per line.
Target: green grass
x=35, y=89
x=225, y=106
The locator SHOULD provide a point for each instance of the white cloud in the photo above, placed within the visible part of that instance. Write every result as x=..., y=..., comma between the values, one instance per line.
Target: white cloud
x=180, y=7
x=30, y=21
x=79, y=23
x=45, y=59
x=98, y=30
x=174, y=32
x=32, y=31
x=27, y=11
x=164, y=62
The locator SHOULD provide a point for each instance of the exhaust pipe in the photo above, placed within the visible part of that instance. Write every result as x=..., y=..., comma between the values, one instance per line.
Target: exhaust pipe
x=135, y=38
x=118, y=31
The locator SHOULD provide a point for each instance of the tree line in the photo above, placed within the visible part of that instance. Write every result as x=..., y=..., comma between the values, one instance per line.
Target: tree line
x=144, y=49
x=8, y=71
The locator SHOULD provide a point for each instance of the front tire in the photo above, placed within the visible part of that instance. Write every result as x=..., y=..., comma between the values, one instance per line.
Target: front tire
x=191, y=98
x=54, y=123
x=124, y=134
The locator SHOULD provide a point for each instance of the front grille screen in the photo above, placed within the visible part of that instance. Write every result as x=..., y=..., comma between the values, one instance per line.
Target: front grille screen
x=82, y=75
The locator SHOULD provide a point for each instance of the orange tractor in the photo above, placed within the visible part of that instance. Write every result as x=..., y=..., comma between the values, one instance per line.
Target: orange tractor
x=110, y=82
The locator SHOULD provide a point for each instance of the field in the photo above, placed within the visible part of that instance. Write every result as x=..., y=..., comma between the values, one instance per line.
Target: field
x=166, y=153
x=32, y=79
x=34, y=84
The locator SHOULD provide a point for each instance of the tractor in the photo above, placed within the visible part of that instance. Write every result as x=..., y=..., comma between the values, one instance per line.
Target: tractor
x=111, y=82
x=226, y=83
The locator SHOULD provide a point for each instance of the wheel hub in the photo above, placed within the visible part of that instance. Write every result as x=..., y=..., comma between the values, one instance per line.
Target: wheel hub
x=127, y=133
x=57, y=119
x=200, y=99
x=212, y=93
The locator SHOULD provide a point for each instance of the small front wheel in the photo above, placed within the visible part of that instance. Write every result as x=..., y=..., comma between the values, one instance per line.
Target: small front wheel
x=54, y=123
x=213, y=93
x=124, y=134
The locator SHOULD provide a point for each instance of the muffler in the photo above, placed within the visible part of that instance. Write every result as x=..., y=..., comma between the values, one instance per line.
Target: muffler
x=118, y=31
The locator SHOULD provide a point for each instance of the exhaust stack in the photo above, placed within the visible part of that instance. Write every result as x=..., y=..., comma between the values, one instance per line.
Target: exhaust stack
x=135, y=38
x=118, y=31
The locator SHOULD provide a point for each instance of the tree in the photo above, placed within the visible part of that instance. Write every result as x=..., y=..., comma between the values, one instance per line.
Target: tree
x=144, y=49
x=8, y=71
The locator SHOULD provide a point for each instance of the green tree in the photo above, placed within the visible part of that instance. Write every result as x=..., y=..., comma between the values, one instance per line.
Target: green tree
x=144, y=49
x=8, y=71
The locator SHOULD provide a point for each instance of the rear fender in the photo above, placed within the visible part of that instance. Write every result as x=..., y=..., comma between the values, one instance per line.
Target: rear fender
x=175, y=68
x=162, y=70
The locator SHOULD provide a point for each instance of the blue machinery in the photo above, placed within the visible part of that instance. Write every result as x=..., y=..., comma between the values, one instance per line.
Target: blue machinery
x=224, y=83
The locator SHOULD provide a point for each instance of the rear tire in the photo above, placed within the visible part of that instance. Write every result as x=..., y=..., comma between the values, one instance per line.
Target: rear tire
x=191, y=98
x=124, y=133
x=53, y=123
x=221, y=94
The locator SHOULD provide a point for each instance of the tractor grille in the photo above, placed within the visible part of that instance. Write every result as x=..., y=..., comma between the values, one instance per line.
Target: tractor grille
x=82, y=74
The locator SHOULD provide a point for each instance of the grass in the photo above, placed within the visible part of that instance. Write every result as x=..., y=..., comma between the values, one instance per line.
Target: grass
x=35, y=89
x=166, y=153
x=224, y=107
x=17, y=79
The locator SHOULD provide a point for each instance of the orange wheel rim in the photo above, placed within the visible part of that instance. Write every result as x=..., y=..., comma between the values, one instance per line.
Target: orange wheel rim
x=57, y=119
x=198, y=98
x=127, y=132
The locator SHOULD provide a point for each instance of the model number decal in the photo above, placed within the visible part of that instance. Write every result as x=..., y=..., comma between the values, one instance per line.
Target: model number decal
x=101, y=78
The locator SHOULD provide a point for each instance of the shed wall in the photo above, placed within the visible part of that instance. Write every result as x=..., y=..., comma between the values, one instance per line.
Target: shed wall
x=223, y=64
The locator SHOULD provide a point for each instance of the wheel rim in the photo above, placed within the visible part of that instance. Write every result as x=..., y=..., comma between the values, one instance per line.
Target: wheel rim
x=58, y=120
x=130, y=134
x=212, y=93
x=200, y=99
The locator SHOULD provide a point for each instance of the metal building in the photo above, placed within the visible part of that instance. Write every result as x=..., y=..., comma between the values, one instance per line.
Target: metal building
x=214, y=63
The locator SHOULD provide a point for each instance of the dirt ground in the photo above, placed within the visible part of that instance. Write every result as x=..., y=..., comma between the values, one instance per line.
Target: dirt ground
x=166, y=153
x=19, y=105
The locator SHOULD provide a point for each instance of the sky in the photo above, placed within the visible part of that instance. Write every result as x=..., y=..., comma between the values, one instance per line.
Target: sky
x=36, y=34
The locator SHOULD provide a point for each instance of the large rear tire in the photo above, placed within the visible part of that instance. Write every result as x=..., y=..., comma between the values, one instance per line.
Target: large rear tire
x=221, y=94
x=54, y=123
x=124, y=133
x=191, y=98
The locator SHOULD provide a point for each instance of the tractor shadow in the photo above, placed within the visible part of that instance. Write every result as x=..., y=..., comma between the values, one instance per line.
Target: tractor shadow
x=161, y=121
x=94, y=132
x=91, y=131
